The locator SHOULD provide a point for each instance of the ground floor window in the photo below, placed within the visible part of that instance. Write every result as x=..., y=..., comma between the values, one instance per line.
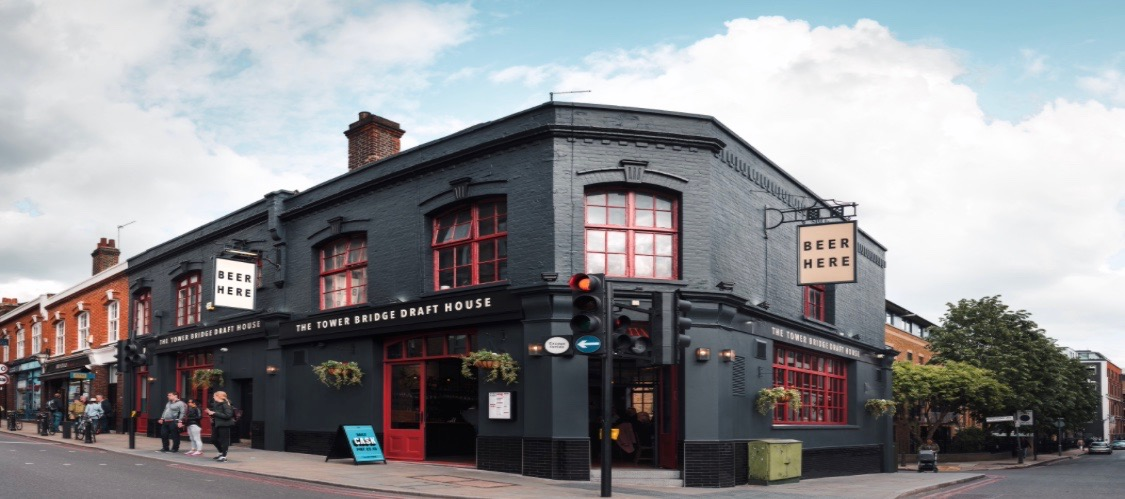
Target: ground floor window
x=821, y=379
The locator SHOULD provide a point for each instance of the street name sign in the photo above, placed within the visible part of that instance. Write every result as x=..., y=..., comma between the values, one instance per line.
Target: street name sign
x=556, y=345
x=588, y=344
x=999, y=419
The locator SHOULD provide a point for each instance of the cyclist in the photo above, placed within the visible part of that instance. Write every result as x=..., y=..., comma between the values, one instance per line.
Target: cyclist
x=93, y=414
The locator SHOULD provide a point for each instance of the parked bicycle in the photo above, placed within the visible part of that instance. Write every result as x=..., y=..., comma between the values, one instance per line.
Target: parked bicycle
x=86, y=429
x=43, y=419
x=14, y=420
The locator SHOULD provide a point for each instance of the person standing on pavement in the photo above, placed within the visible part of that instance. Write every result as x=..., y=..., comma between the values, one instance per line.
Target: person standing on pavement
x=222, y=417
x=56, y=406
x=192, y=416
x=107, y=408
x=77, y=407
x=95, y=414
x=170, y=422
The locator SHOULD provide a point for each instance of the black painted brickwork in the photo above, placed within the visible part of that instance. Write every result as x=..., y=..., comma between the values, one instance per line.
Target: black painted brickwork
x=711, y=464
x=741, y=462
x=504, y=454
x=567, y=459
x=257, y=434
x=841, y=461
x=309, y=442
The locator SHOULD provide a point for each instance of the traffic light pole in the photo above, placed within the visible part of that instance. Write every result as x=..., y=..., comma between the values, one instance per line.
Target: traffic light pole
x=607, y=400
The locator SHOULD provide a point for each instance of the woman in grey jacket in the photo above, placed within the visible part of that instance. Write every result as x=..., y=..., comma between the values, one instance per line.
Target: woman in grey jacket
x=222, y=419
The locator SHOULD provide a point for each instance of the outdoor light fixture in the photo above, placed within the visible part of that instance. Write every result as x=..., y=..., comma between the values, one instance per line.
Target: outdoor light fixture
x=271, y=370
x=535, y=349
x=152, y=379
x=703, y=354
x=727, y=355
x=549, y=276
x=879, y=356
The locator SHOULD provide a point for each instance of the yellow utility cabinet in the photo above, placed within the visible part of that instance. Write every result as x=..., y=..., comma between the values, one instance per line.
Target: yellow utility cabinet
x=775, y=461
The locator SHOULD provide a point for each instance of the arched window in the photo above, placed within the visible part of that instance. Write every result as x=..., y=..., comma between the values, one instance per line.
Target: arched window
x=142, y=312
x=470, y=245
x=189, y=293
x=631, y=234
x=343, y=272
x=113, y=321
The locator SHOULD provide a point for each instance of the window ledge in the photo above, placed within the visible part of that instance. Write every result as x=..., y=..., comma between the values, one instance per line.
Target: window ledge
x=815, y=427
x=819, y=323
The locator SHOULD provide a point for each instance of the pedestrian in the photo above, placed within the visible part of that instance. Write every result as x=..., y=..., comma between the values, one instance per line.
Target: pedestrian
x=222, y=419
x=171, y=420
x=930, y=445
x=1081, y=445
x=107, y=408
x=192, y=416
x=94, y=414
x=77, y=407
x=56, y=406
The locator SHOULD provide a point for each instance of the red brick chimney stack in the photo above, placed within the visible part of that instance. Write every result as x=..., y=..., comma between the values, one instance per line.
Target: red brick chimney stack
x=370, y=139
x=105, y=255
x=8, y=304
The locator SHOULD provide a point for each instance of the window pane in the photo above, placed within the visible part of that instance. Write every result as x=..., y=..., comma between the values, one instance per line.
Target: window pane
x=643, y=244
x=617, y=216
x=445, y=279
x=644, y=218
x=464, y=254
x=502, y=247
x=616, y=199
x=595, y=215
x=643, y=201
x=642, y=266
x=664, y=219
x=435, y=345
x=458, y=344
x=664, y=244
x=596, y=199
x=461, y=231
x=595, y=263
x=487, y=251
x=595, y=240
x=616, y=265
x=445, y=258
x=487, y=226
x=414, y=347
x=663, y=204
x=616, y=242
x=464, y=276
x=663, y=267
x=487, y=272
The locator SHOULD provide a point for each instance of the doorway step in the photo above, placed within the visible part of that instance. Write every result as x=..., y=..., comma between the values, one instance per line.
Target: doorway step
x=645, y=477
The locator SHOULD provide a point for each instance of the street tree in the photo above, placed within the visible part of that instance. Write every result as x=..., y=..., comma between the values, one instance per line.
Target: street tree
x=986, y=333
x=928, y=396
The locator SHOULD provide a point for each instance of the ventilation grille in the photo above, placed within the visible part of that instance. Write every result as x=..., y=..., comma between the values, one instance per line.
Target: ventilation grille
x=738, y=377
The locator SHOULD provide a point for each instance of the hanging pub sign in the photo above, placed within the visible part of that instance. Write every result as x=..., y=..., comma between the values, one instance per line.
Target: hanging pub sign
x=234, y=284
x=826, y=253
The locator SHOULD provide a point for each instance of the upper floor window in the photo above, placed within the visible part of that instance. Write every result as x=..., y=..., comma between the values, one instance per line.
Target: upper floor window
x=189, y=295
x=60, y=338
x=470, y=245
x=6, y=359
x=631, y=234
x=343, y=272
x=113, y=318
x=19, y=343
x=815, y=297
x=37, y=337
x=142, y=313
x=83, y=331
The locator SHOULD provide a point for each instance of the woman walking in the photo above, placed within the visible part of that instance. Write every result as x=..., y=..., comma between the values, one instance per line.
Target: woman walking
x=191, y=419
x=222, y=417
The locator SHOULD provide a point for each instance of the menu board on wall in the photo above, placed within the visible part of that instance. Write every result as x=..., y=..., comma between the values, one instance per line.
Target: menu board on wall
x=500, y=405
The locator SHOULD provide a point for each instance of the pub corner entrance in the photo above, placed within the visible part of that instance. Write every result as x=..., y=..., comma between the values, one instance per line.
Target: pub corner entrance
x=646, y=408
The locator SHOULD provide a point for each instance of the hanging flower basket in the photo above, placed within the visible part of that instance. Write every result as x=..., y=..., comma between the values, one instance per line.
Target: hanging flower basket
x=768, y=398
x=206, y=378
x=879, y=407
x=338, y=374
x=499, y=366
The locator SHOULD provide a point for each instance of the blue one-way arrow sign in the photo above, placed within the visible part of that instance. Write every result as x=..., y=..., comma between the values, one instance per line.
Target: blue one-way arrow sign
x=588, y=344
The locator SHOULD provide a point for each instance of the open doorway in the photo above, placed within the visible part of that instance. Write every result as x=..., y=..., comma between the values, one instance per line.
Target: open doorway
x=646, y=414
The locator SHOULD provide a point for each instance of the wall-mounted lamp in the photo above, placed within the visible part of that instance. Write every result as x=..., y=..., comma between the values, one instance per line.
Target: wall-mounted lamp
x=725, y=285
x=549, y=276
x=703, y=354
x=224, y=349
x=726, y=355
x=535, y=349
x=271, y=370
x=879, y=356
x=152, y=379
x=210, y=306
x=763, y=305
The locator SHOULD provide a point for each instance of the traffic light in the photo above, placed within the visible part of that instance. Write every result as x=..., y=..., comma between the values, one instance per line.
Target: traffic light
x=682, y=310
x=628, y=346
x=590, y=299
x=134, y=355
x=670, y=321
x=122, y=361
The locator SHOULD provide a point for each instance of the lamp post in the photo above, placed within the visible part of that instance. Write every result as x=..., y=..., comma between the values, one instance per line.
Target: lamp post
x=1059, y=423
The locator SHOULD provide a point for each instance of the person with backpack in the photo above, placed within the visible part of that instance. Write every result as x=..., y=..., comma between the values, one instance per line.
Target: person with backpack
x=222, y=419
x=55, y=405
x=192, y=416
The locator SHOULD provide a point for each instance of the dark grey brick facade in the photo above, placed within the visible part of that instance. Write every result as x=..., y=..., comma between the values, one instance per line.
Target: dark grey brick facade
x=541, y=161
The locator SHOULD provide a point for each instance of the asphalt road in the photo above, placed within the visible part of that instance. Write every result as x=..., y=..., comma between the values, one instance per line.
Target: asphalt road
x=1085, y=476
x=31, y=468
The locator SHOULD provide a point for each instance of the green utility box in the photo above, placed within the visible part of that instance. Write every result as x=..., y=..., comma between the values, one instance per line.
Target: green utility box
x=774, y=461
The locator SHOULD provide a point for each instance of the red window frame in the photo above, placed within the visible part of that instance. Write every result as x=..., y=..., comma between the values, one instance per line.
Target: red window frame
x=470, y=244
x=189, y=297
x=815, y=296
x=632, y=233
x=343, y=261
x=823, y=383
x=142, y=319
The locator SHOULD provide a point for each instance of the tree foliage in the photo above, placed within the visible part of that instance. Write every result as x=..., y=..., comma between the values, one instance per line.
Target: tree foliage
x=987, y=333
x=929, y=395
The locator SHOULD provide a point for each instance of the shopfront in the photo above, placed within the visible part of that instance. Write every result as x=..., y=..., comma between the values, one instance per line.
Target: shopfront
x=29, y=389
x=68, y=376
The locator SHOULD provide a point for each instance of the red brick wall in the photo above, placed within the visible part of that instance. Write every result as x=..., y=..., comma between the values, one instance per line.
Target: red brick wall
x=905, y=343
x=372, y=138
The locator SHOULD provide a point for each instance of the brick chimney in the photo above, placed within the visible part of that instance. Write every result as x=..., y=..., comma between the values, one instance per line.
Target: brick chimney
x=370, y=139
x=105, y=256
x=8, y=305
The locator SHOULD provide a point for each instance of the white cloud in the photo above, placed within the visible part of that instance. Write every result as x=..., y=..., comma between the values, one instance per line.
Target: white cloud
x=968, y=206
x=1108, y=83
x=1035, y=64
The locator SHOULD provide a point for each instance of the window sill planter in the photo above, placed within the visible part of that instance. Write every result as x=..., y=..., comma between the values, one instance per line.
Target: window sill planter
x=499, y=366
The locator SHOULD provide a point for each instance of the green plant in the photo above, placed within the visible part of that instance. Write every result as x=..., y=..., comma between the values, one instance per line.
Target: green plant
x=338, y=374
x=768, y=398
x=206, y=378
x=499, y=365
x=879, y=407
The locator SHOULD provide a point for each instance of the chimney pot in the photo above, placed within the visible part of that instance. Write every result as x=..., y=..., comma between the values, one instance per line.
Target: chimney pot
x=105, y=255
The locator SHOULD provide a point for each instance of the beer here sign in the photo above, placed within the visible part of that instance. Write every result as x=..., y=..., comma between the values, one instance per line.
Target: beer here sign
x=826, y=253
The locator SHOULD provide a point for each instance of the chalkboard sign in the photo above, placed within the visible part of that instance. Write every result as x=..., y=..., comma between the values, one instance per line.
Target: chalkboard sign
x=358, y=443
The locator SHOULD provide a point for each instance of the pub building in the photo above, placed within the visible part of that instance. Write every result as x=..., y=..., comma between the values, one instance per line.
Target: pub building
x=413, y=259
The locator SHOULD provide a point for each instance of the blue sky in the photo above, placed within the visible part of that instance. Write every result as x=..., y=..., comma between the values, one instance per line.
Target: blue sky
x=983, y=141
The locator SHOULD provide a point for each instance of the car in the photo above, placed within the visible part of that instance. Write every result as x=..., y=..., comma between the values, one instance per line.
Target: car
x=1118, y=445
x=1100, y=447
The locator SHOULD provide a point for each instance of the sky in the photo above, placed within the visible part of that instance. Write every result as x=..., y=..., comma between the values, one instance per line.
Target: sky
x=982, y=141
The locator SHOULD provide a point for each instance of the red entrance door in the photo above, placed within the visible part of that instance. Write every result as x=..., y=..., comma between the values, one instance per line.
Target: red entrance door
x=140, y=403
x=404, y=411
x=668, y=418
